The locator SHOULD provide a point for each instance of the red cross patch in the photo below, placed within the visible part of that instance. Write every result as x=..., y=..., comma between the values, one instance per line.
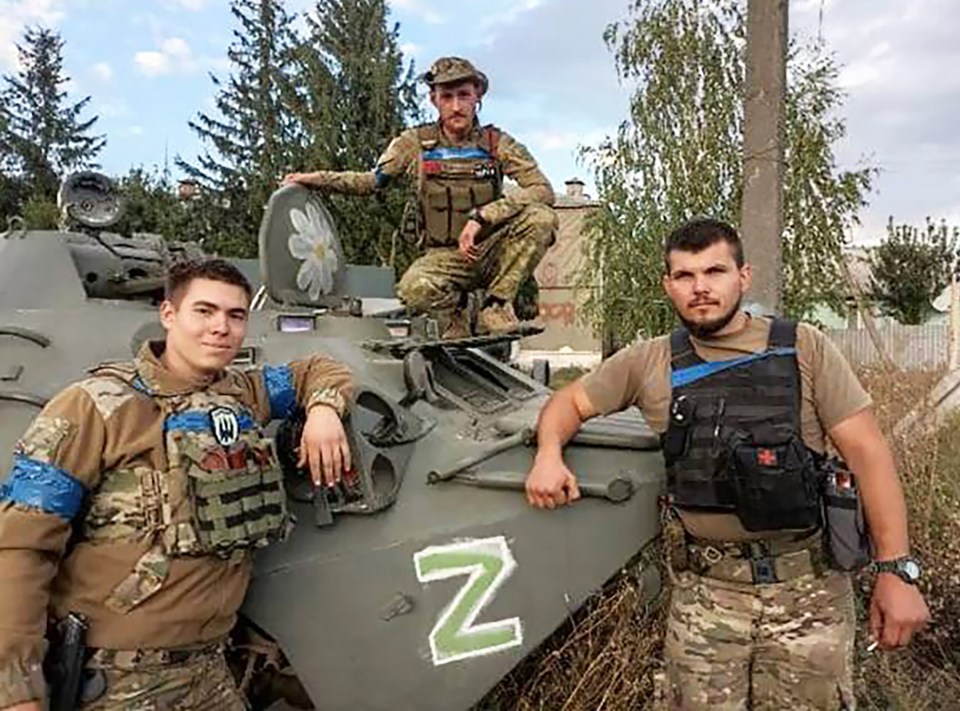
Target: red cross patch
x=767, y=458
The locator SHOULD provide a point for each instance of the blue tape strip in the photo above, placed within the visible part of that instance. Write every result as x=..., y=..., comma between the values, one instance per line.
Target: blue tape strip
x=280, y=390
x=685, y=376
x=199, y=421
x=43, y=486
x=383, y=179
x=454, y=152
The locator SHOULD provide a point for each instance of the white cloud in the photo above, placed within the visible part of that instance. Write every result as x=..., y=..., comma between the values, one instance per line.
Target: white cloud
x=102, y=70
x=420, y=9
x=135, y=130
x=15, y=15
x=411, y=49
x=112, y=108
x=173, y=56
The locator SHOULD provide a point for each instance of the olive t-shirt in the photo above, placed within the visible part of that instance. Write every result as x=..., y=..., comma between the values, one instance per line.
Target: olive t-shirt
x=640, y=376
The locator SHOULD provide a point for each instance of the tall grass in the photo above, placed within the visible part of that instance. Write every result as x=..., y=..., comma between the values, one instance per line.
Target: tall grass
x=607, y=656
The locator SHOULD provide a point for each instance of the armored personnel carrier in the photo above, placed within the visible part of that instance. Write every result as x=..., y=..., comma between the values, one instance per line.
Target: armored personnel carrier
x=425, y=577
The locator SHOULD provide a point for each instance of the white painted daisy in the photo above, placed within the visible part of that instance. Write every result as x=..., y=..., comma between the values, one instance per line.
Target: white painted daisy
x=313, y=242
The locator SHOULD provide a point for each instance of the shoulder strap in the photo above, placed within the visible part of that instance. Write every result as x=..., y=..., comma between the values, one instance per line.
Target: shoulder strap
x=492, y=135
x=783, y=334
x=428, y=134
x=682, y=354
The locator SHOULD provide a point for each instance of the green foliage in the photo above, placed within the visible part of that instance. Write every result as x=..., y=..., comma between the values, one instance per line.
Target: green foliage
x=328, y=100
x=40, y=213
x=43, y=135
x=355, y=94
x=251, y=138
x=679, y=155
x=912, y=267
x=152, y=206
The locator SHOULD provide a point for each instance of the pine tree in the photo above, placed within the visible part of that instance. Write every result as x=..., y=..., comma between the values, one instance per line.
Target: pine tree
x=254, y=138
x=44, y=135
x=354, y=95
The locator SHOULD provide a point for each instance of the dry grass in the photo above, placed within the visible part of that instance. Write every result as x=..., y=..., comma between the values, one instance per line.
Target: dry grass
x=606, y=657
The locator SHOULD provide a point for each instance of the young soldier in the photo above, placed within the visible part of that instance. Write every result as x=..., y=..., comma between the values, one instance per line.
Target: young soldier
x=757, y=620
x=475, y=236
x=157, y=474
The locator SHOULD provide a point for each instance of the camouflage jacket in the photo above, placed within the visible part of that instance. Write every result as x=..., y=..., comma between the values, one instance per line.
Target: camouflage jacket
x=401, y=159
x=59, y=481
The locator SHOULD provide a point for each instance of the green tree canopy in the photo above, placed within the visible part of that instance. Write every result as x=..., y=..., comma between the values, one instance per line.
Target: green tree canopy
x=251, y=137
x=354, y=95
x=44, y=135
x=679, y=155
x=912, y=267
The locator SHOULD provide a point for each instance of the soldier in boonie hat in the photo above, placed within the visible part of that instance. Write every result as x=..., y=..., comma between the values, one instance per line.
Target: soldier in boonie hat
x=448, y=70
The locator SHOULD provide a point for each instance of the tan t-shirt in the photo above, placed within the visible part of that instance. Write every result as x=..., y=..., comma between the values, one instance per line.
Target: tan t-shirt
x=640, y=376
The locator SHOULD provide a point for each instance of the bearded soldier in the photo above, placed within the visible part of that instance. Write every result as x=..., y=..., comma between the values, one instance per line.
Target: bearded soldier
x=474, y=236
x=760, y=616
x=136, y=498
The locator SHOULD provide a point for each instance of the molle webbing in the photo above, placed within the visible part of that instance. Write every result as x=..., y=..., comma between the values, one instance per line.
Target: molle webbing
x=759, y=392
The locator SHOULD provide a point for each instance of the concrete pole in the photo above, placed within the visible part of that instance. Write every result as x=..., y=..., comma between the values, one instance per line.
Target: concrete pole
x=761, y=209
x=954, y=324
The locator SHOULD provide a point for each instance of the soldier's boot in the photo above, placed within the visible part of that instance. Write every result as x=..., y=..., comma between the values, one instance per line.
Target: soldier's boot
x=497, y=318
x=458, y=325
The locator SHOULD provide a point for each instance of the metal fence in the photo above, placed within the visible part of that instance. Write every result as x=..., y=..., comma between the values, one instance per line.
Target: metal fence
x=910, y=347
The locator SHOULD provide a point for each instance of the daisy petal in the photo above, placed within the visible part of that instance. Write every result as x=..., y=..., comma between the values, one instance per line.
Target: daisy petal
x=299, y=220
x=305, y=276
x=300, y=246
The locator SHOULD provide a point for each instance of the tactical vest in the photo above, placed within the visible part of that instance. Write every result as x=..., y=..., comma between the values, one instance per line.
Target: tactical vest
x=733, y=441
x=221, y=493
x=452, y=180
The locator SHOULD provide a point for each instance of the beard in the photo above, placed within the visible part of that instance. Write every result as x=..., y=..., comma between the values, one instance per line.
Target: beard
x=703, y=329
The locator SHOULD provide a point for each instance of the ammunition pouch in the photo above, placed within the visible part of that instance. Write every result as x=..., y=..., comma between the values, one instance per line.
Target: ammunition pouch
x=775, y=479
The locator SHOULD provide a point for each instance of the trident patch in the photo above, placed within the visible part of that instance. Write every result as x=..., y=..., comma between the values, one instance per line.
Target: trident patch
x=225, y=426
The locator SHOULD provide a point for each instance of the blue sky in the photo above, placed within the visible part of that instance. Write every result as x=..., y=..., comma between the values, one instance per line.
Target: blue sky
x=146, y=63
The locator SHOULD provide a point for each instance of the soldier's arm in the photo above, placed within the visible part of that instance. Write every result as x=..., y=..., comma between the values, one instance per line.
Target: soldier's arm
x=395, y=162
x=612, y=387
x=519, y=166
x=55, y=463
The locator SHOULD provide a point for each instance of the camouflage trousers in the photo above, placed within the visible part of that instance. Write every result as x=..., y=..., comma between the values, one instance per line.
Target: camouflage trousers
x=203, y=683
x=438, y=281
x=742, y=646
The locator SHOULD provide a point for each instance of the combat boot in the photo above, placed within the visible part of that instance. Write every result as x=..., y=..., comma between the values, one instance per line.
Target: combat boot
x=458, y=326
x=497, y=318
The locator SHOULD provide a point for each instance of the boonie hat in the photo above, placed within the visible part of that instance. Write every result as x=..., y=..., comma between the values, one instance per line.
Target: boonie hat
x=447, y=70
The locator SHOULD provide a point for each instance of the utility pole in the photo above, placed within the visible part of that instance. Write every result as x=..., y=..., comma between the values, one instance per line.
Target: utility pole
x=761, y=209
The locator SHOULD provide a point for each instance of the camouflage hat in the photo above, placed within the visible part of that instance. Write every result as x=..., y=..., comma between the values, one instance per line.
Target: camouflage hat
x=450, y=69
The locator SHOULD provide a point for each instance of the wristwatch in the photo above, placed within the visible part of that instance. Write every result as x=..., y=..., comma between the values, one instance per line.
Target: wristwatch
x=905, y=567
x=475, y=215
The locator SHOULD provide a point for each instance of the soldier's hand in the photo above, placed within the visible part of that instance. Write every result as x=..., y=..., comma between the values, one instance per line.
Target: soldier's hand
x=897, y=611
x=550, y=483
x=297, y=179
x=324, y=446
x=468, y=238
x=26, y=706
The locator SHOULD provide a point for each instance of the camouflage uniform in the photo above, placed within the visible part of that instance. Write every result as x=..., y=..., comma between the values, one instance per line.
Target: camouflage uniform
x=456, y=183
x=732, y=643
x=147, y=473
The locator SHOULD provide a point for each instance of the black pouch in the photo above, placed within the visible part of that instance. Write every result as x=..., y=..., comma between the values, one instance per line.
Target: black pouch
x=846, y=537
x=675, y=442
x=774, y=478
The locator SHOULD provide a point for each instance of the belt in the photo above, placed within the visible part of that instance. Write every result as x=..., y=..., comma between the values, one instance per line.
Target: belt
x=759, y=562
x=130, y=659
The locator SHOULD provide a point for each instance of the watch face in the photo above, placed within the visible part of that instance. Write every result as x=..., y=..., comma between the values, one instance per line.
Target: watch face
x=911, y=569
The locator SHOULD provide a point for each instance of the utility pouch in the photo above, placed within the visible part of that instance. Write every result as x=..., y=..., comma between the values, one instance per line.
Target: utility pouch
x=774, y=479
x=675, y=442
x=846, y=538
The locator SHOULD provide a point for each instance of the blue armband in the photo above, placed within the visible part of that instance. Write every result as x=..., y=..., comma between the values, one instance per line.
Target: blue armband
x=43, y=486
